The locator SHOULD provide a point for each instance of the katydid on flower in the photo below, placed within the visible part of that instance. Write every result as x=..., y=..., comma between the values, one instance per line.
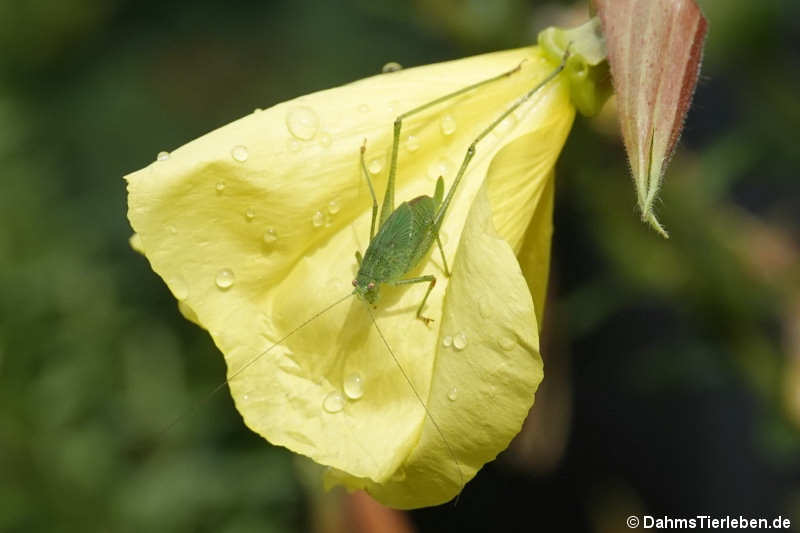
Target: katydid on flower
x=400, y=240
x=405, y=235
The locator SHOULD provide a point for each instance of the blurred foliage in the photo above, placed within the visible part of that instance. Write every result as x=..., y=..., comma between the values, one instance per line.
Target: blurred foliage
x=673, y=367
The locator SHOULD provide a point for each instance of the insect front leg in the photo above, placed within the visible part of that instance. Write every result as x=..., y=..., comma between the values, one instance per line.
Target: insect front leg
x=371, y=193
x=420, y=279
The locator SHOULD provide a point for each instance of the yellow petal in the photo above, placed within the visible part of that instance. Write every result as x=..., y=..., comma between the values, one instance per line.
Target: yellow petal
x=483, y=384
x=253, y=227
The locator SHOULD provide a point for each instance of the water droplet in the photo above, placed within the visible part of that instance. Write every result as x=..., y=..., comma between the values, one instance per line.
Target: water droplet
x=354, y=386
x=460, y=341
x=447, y=341
x=440, y=167
x=224, y=279
x=250, y=214
x=220, y=186
x=391, y=66
x=257, y=110
x=162, y=156
x=375, y=166
x=448, y=124
x=303, y=123
x=333, y=207
x=325, y=139
x=452, y=394
x=363, y=108
x=506, y=343
x=172, y=229
x=179, y=287
x=483, y=308
x=333, y=402
x=239, y=153
x=270, y=236
x=412, y=143
x=318, y=219
x=506, y=125
x=293, y=145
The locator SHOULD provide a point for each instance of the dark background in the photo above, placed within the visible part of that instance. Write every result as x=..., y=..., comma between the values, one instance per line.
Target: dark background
x=672, y=367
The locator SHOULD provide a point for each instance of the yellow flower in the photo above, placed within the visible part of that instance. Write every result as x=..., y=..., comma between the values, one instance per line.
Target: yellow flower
x=254, y=227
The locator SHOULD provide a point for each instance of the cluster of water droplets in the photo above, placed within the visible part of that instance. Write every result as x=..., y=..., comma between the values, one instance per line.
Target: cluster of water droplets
x=353, y=388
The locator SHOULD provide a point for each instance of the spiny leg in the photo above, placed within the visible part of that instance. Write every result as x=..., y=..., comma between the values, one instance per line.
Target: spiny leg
x=420, y=279
x=437, y=220
x=388, y=198
x=371, y=193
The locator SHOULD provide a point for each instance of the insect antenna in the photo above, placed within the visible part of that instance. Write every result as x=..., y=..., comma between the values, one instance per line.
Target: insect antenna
x=421, y=401
x=196, y=405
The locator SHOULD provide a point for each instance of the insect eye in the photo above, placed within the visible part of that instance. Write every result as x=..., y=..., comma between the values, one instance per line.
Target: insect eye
x=355, y=283
x=370, y=285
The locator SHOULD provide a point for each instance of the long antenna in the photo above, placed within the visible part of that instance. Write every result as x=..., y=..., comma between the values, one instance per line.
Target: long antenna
x=248, y=364
x=416, y=393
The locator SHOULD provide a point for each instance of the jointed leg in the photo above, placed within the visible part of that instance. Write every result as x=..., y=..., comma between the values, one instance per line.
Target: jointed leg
x=420, y=279
x=388, y=198
x=371, y=193
x=444, y=259
x=437, y=220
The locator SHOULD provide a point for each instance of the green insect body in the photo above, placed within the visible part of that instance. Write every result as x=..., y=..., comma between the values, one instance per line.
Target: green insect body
x=400, y=245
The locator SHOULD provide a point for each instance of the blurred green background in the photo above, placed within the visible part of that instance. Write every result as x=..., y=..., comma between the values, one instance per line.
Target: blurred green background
x=672, y=367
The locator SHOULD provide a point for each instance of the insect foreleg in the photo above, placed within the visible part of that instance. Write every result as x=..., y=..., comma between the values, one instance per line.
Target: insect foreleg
x=388, y=198
x=371, y=193
x=420, y=279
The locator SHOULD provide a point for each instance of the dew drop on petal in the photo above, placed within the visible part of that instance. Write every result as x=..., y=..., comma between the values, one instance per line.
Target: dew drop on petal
x=318, y=219
x=354, y=386
x=293, y=145
x=224, y=279
x=257, y=110
x=246, y=397
x=460, y=341
x=506, y=343
x=303, y=123
x=220, y=186
x=333, y=207
x=363, y=108
x=333, y=402
x=249, y=214
x=447, y=341
x=483, y=308
x=391, y=66
x=239, y=153
x=412, y=143
x=440, y=167
x=452, y=394
x=162, y=156
x=270, y=236
x=325, y=139
x=375, y=166
x=172, y=229
x=448, y=124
